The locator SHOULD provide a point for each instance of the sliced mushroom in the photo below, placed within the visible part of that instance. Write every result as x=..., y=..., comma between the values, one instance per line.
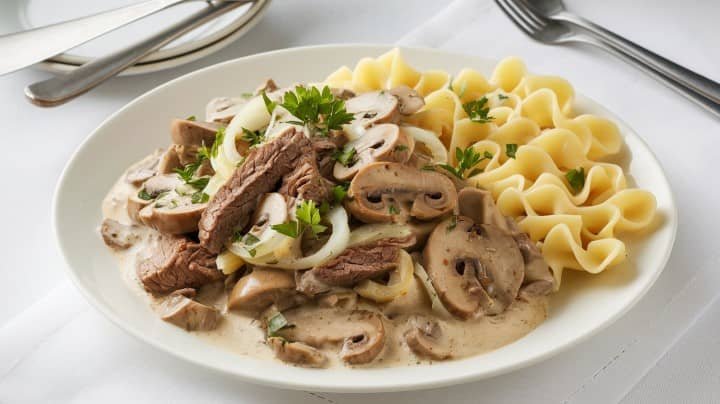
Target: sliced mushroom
x=409, y=100
x=193, y=133
x=360, y=332
x=478, y=205
x=393, y=192
x=476, y=269
x=223, y=109
x=267, y=86
x=151, y=189
x=263, y=287
x=342, y=93
x=426, y=339
x=178, y=156
x=184, y=312
x=118, y=236
x=297, y=353
x=173, y=211
x=373, y=108
x=344, y=298
x=144, y=169
x=384, y=142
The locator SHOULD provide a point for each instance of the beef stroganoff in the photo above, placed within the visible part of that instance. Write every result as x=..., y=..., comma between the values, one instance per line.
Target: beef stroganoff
x=382, y=217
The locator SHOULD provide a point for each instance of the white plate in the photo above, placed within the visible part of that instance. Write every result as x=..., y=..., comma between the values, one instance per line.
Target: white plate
x=17, y=15
x=585, y=304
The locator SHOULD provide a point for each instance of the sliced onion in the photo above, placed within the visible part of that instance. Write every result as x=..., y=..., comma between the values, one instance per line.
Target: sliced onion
x=354, y=130
x=274, y=207
x=335, y=245
x=400, y=281
x=373, y=232
x=430, y=140
x=436, y=304
x=254, y=116
x=214, y=184
x=227, y=262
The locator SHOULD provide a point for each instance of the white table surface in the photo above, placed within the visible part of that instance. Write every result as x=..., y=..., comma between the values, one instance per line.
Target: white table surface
x=674, y=358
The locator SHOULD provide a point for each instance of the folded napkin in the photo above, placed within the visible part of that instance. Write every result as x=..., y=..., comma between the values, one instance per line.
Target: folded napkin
x=61, y=350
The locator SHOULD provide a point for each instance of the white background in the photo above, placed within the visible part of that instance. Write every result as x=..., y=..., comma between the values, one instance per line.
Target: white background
x=667, y=349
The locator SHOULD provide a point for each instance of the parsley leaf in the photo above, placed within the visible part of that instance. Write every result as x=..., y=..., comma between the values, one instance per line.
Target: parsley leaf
x=290, y=229
x=276, y=323
x=269, y=104
x=576, y=178
x=511, y=149
x=219, y=138
x=199, y=183
x=253, y=138
x=203, y=152
x=318, y=109
x=345, y=156
x=144, y=195
x=186, y=173
x=478, y=111
x=502, y=96
x=467, y=159
x=250, y=239
x=200, y=197
x=339, y=192
x=400, y=147
x=191, y=118
x=393, y=210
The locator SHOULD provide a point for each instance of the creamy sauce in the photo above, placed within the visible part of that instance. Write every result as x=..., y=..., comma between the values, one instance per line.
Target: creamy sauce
x=241, y=333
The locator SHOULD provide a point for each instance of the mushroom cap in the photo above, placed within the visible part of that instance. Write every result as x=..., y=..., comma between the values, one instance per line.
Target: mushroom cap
x=297, y=353
x=261, y=288
x=223, y=109
x=476, y=269
x=118, y=236
x=384, y=142
x=373, y=108
x=172, y=220
x=189, y=314
x=393, y=192
x=144, y=169
x=193, y=133
x=426, y=339
x=360, y=332
x=409, y=100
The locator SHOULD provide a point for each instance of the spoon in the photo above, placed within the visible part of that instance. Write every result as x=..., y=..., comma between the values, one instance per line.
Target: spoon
x=62, y=88
x=23, y=49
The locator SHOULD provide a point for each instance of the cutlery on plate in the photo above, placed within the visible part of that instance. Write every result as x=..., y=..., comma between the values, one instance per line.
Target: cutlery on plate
x=554, y=32
x=555, y=10
x=22, y=49
x=63, y=88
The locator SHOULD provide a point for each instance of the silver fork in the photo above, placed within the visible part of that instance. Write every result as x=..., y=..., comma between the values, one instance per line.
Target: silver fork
x=553, y=32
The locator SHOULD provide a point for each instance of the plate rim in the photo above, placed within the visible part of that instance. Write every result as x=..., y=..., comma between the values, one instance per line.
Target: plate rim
x=306, y=384
x=150, y=64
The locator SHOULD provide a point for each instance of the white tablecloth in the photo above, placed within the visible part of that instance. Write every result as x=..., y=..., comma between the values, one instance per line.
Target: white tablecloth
x=55, y=348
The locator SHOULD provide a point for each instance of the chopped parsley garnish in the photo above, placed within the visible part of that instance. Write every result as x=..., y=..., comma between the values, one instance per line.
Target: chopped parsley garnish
x=502, y=96
x=400, y=147
x=576, y=178
x=428, y=167
x=467, y=159
x=219, y=138
x=339, y=192
x=252, y=252
x=345, y=156
x=478, y=111
x=318, y=109
x=276, y=323
x=269, y=104
x=250, y=239
x=393, y=210
x=144, y=195
x=253, y=138
x=192, y=118
x=200, y=197
x=203, y=152
x=453, y=223
x=511, y=149
x=308, y=218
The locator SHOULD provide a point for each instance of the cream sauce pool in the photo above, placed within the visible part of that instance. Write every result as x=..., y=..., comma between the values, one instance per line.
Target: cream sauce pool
x=241, y=333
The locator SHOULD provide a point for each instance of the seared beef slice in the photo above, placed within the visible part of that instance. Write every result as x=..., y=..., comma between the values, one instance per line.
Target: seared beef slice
x=263, y=168
x=170, y=263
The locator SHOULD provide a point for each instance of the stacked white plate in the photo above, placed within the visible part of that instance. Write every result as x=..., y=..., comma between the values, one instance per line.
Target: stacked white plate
x=18, y=15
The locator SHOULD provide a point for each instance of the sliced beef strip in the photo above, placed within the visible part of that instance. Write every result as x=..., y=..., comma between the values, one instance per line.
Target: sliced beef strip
x=325, y=148
x=358, y=263
x=118, y=236
x=233, y=204
x=181, y=310
x=305, y=181
x=169, y=263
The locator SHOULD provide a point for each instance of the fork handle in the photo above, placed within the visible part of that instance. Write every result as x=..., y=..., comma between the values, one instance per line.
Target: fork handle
x=698, y=98
x=26, y=48
x=697, y=82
